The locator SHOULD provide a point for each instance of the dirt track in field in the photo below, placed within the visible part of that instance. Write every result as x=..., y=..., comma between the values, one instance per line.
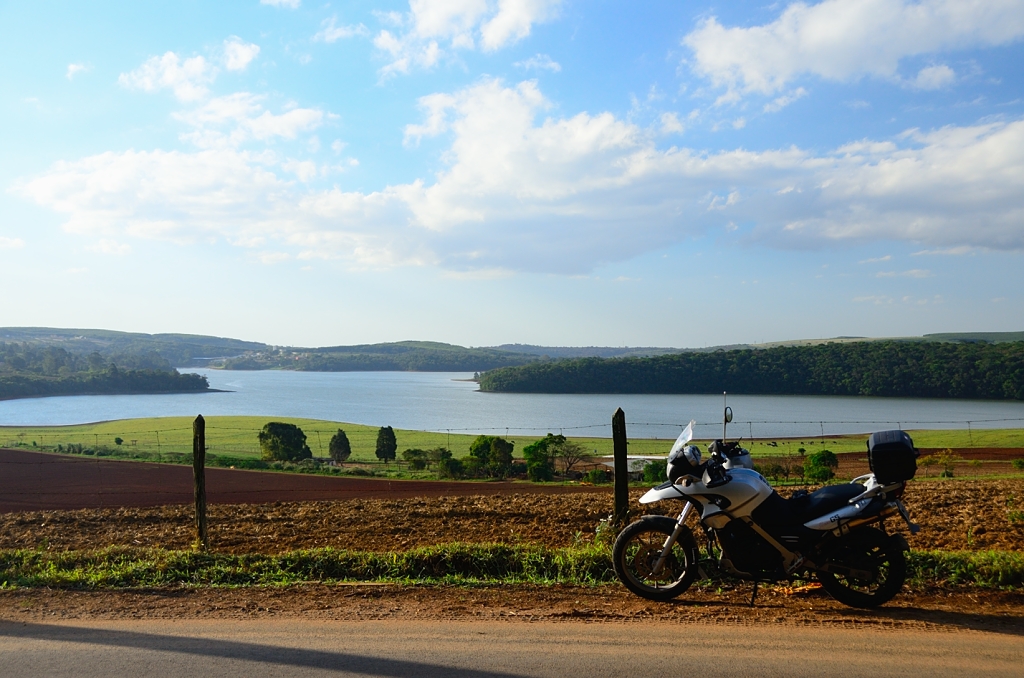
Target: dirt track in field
x=32, y=481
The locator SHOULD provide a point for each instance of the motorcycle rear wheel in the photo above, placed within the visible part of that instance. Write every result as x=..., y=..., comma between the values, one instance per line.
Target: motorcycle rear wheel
x=873, y=551
x=637, y=550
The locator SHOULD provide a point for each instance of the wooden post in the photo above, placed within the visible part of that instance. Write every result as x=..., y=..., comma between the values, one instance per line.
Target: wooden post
x=199, y=473
x=621, y=467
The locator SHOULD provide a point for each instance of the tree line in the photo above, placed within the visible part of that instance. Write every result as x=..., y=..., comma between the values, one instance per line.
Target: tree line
x=877, y=368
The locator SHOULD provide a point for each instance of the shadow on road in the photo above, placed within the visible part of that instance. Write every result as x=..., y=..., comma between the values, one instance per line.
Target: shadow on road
x=251, y=652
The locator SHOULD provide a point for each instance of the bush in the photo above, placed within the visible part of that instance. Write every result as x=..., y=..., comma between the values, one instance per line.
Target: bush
x=655, y=473
x=821, y=466
x=340, y=449
x=1018, y=464
x=539, y=456
x=416, y=458
x=450, y=468
x=283, y=442
x=596, y=476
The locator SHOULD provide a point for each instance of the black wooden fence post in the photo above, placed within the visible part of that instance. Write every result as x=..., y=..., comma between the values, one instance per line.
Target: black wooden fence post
x=621, y=467
x=199, y=473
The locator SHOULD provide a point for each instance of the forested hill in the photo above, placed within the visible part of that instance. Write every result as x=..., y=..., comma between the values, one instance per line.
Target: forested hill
x=31, y=371
x=924, y=369
x=417, y=356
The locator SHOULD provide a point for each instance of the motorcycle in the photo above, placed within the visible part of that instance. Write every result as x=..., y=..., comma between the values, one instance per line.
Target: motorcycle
x=836, y=534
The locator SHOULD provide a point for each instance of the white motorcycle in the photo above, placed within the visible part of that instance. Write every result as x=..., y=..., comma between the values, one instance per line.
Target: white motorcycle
x=836, y=534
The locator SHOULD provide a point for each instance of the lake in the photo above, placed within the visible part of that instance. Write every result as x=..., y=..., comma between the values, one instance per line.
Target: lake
x=443, y=401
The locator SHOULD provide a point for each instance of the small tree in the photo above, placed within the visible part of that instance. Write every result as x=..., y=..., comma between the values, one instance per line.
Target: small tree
x=283, y=442
x=119, y=441
x=655, y=472
x=538, y=456
x=570, y=453
x=387, y=445
x=1018, y=464
x=947, y=459
x=340, y=449
x=492, y=456
x=821, y=466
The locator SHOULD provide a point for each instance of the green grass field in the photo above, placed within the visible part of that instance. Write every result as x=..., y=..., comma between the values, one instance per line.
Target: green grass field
x=236, y=437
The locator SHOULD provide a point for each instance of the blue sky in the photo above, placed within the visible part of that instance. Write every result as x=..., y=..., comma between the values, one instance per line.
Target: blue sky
x=493, y=171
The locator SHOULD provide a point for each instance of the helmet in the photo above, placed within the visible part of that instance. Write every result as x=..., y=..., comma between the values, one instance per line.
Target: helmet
x=683, y=461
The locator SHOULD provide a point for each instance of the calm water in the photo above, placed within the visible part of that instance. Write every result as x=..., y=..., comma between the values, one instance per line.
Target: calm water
x=439, y=401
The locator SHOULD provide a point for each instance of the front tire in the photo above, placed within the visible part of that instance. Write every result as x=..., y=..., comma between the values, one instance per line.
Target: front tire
x=877, y=569
x=637, y=550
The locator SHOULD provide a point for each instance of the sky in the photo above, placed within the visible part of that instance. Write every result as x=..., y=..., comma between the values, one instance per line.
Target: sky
x=481, y=172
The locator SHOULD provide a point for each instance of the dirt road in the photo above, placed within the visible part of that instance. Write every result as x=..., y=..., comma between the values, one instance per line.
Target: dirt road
x=485, y=649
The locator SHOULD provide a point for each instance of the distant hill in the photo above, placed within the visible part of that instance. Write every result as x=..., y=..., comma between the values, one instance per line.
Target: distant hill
x=587, y=351
x=913, y=369
x=181, y=350
x=402, y=356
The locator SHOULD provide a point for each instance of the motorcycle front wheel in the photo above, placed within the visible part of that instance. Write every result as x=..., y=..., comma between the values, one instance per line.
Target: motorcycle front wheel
x=636, y=554
x=869, y=569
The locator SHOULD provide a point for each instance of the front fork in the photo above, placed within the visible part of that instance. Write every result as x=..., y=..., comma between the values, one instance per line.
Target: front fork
x=667, y=548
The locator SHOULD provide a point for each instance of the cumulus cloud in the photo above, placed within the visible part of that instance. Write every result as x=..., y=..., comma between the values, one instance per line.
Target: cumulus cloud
x=11, y=243
x=238, y=53
x=240, y=117
x=187, y=78
x=844, y=40
x=108, y=246
x=558, y=194
x=432, y=26
x=290, y=4
x=934, y=77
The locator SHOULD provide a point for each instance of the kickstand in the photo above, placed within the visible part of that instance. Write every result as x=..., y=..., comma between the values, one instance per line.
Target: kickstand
x=753, y=596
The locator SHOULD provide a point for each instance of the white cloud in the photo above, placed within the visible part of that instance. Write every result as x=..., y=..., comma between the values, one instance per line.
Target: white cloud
x=108, y=246
x=75, y=69
x=670, y=124
x=781, y=102
x=330, y=32
x=238, y=54
x=846, y=39
x=290, y=4
x=187, y=78
x=876, y=260
x=236, y=118
x=934, y=77
x=433, y=26
x=11, y=243
x=541, y=62
x=913, y=273
x=556, y=194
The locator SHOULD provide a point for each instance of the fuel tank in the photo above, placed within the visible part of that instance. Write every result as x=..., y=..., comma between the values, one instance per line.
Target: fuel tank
x=744, y=492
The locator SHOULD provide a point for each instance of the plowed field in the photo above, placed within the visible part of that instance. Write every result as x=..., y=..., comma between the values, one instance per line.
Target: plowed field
x=967, y=515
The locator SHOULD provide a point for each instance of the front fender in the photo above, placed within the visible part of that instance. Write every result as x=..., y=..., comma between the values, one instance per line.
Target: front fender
x=667, y=490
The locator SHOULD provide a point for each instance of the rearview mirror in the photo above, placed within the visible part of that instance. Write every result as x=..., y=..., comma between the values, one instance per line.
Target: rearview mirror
x=728, y=415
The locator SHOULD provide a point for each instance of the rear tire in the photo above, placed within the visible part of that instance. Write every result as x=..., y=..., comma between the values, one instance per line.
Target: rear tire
x=637, y=550
x=872, y=551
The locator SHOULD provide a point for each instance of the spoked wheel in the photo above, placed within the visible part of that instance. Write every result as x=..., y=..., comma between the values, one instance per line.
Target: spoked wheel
x=635, y=557
x=865, y=569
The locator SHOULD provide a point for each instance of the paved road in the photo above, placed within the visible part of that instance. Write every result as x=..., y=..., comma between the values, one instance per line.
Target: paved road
x=246, y=649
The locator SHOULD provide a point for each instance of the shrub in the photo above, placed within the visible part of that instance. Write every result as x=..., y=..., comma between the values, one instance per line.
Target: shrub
x=450, y=468
x=1018, y=464
x=597, y=476
x=283, y=442
x=492, y=455
x=416, y=458
x=539, y=456
x=821, y=466
x=655, y=473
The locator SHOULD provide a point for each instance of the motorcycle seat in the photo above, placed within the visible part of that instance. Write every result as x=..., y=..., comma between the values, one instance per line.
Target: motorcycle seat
x=829, y=498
